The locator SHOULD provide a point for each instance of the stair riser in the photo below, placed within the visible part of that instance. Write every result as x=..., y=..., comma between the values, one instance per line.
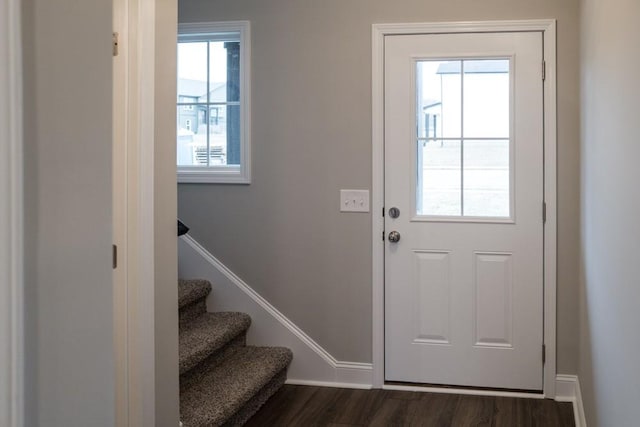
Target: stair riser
x=191, y=311
x=192, y=291
x=195, y=372
x=256, y=402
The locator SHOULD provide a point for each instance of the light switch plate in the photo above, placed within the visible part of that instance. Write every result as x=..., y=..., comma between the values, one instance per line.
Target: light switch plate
x=354, y=200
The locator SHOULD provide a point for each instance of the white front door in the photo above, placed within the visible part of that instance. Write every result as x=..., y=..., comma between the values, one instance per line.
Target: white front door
x=464, y=172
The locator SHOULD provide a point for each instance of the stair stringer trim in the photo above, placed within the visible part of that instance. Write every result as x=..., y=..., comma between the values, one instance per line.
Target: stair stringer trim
x=311, y=365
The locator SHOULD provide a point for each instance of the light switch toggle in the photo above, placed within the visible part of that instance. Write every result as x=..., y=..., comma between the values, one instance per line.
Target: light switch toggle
x=354, y=200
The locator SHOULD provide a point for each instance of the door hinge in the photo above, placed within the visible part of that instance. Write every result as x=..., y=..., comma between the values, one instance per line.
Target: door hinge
x=544, y=354
x=383, y=235
x=544, y=212
x=544, y=70
x=383, y=211
x=115, y=40
x=114, y=255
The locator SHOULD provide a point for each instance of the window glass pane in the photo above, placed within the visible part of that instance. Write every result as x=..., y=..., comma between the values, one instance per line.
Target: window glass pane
x=486, y=98
x=209, y=130
x=224, y=71
x=217, y=135
x=218, y=72
x=439, y=178
x=233, y=134
x=192, y=71
x=486, y=178
x=438, y=93
x=187, y=123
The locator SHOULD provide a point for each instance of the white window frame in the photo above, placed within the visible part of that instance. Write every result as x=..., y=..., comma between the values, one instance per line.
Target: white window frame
x=217, y=174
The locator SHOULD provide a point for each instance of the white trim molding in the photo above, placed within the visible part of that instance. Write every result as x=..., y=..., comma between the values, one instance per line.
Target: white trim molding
x=311, y=365
x=135, y=21
x=11, y=218
x=548, y=30
x=140, y=219
x=568, y=390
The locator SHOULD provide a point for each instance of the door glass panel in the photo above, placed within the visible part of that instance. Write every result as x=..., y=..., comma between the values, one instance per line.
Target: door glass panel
x=439, y=99
x=486, y=178
x=486, y=99
x=463, y=113
x=439, y=177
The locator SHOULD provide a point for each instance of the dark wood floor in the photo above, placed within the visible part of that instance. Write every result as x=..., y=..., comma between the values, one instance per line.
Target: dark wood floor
x=319, y=406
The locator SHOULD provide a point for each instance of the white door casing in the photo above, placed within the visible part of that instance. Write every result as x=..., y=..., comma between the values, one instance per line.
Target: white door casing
x=11, y=222
x=133, y=197
x=119, y=184
x=490, y=258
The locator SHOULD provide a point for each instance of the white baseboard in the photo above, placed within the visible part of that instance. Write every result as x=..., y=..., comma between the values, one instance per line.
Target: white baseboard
x=568, y=390
x=311, y=365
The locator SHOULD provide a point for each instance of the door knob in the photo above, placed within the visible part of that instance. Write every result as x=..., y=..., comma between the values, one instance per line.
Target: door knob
x=394, y=237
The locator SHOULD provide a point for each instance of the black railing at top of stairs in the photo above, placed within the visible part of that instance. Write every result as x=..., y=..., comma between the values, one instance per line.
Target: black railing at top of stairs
x=182, y=229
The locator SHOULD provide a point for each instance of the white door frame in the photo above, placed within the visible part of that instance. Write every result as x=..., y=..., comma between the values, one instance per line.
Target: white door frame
x=135, y=22
x=11, y=222
x=548, y=29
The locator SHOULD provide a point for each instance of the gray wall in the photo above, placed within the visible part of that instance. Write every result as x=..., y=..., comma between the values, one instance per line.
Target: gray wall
x=610, y=343
x=311, y=78
x=69, y=309
x=68, y=215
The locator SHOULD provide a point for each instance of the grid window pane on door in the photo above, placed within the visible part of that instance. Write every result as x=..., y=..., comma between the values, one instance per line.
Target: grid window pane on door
x=464, y=145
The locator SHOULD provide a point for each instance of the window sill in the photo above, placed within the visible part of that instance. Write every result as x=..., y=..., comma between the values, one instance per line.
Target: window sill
x=227, y=175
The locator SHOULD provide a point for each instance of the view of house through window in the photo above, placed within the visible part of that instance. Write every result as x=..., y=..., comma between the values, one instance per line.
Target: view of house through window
x=463, y=141
x=209, y=132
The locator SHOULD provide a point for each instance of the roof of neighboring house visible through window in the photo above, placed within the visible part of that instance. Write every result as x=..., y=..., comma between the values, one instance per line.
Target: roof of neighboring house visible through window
x=198, y=89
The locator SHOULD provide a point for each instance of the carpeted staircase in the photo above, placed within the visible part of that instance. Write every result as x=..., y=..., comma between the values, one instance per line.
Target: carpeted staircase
x=222, y=380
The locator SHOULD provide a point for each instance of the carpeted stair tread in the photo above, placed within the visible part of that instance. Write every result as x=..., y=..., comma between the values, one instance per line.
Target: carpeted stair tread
x=206, y=334
x=226, y=389
x=190, y=291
